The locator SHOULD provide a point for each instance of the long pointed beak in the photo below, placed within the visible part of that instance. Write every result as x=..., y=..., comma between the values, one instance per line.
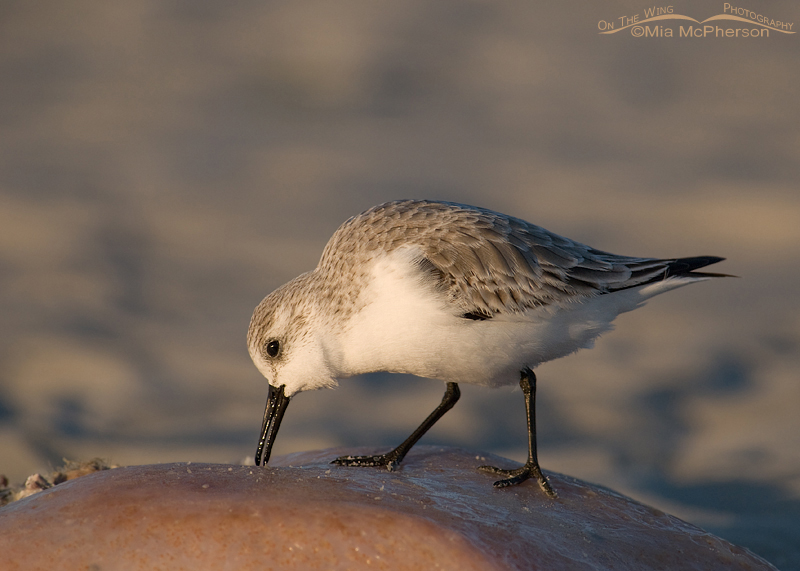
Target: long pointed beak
x=277, y=401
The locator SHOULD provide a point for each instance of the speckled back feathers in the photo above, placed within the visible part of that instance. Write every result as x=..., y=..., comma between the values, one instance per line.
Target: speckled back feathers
x=486, y=263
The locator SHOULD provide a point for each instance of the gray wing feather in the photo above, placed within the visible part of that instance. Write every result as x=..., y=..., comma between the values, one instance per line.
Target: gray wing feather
x=488, y=263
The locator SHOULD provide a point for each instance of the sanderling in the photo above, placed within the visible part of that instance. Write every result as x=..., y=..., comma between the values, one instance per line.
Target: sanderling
x=450, y=292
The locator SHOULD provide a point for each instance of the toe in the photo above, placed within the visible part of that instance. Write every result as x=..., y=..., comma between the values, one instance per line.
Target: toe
x=493, y=470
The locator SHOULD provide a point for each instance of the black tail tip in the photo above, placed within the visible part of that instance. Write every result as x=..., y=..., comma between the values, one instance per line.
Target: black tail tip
x=687, y=266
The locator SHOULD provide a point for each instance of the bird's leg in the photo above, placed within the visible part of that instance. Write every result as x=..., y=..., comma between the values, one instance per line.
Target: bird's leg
x=531, y=468
x=392, y=459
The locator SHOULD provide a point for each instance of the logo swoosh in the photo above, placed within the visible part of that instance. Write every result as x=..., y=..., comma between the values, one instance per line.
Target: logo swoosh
x=711, y=19
x=740, y=19
x=653, y=19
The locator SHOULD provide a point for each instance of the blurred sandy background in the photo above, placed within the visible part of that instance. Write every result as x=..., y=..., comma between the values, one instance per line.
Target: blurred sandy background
x=164, y=165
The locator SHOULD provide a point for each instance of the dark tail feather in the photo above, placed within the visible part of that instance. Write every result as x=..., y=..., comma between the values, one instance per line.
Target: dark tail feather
x=686, y=267
x=650, y=270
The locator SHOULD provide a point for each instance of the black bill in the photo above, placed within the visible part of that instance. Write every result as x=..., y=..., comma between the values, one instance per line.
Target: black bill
x=277, y=401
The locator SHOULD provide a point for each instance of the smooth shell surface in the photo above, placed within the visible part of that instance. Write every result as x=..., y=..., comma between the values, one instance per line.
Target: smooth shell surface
x=435, y=512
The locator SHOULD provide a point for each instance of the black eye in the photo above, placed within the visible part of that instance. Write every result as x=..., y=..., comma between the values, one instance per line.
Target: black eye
x=273, y=348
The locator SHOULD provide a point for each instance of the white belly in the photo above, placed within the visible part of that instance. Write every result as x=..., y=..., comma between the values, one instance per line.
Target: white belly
x=407, y=328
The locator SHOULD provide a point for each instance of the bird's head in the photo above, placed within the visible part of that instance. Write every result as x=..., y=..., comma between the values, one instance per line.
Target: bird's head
x=288, y=348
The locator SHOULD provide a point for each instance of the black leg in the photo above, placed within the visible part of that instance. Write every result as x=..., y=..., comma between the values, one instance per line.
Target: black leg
x=392, y=459
x=531, y=468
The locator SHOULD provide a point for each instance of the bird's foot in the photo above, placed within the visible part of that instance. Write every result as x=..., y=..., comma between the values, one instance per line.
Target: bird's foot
x=519, y=475
x=390, y=460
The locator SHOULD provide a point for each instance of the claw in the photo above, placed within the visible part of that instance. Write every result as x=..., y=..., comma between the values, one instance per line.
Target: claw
x=519, y=475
